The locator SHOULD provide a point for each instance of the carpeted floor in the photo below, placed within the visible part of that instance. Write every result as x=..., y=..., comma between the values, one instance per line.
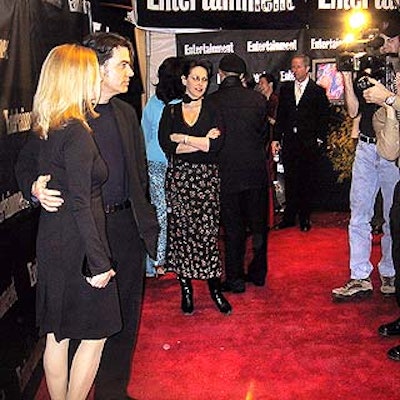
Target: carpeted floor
x=285, y=341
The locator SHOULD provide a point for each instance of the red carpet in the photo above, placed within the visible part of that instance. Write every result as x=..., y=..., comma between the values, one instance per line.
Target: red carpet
x=286, y=341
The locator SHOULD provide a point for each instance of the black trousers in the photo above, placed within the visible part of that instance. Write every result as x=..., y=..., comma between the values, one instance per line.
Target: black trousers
x=240, y=212
x=395, y=233
x=300, y=183
x=128, y=250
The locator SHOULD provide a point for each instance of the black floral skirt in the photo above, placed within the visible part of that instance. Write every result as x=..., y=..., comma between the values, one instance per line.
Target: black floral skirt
x=192, y=195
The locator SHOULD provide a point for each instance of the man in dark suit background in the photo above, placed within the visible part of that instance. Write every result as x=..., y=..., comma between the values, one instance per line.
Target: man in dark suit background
x=301, y=126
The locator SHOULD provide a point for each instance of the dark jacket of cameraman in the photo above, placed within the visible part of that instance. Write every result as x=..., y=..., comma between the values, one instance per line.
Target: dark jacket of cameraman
x=366, y=110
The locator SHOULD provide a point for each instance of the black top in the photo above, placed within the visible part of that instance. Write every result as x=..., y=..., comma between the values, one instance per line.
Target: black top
x=242, y=114
x=109, y=142
x=367, y=111
x=66, y=304
x=134, y=154
x=172, y=122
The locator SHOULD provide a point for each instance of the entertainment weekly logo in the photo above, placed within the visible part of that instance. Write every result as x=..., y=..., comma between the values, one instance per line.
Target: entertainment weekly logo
x=261, y=6
x=264, y=6
x=325, y=44
x=357, y=4
x=208, y=48
x=284, y=76
x=269, y=46
x=17, y=120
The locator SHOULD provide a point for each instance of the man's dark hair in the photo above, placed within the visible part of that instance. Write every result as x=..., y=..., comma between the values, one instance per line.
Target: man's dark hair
x=169, y=86
x=103, y=44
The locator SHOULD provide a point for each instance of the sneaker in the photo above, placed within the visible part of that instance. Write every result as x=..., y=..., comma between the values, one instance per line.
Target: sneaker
x=353, y=289
x=387, y=288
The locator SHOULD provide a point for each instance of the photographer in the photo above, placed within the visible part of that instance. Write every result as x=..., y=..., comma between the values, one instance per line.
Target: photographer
x=370, y=173
x=388, y=123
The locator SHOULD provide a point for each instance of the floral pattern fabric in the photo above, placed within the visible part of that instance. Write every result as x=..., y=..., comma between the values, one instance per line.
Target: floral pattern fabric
x=192, y=195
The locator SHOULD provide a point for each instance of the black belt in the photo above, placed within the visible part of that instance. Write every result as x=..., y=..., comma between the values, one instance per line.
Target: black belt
x=112, y=208
x=367, y=139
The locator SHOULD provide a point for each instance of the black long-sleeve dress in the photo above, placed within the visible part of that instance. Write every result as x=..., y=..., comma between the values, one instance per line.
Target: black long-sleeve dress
x=66, y=304
x=192, y=196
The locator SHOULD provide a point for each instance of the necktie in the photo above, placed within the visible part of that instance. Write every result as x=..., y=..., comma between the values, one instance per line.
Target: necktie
x=297, y=92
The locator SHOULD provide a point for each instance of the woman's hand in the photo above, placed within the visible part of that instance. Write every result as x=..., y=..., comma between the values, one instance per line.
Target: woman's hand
x=100, y=281
x=177, y=137
x=213, y=133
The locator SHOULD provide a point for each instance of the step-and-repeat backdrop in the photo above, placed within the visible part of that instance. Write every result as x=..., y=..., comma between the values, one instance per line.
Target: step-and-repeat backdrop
x=254, y=14
x=28, y=30
x=266, y=50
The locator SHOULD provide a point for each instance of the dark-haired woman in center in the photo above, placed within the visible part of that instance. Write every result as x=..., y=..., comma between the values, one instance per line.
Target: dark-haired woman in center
x=189, y=135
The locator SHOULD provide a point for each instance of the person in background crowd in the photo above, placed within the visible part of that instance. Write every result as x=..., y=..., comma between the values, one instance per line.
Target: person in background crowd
x=131, y=221
x=370, y=173
x=390, y=101
x=267, y=87
x=302, y=127
x=168, y=89
x=71, y=303
x=190, y=137
x=244, y=178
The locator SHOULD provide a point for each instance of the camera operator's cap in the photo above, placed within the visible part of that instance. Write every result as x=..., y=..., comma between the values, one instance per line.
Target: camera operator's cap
x=232, y=63
x=391, y=28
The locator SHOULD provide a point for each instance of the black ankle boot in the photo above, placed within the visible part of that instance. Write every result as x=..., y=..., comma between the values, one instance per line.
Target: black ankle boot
x=221, y=302
x=187, y=295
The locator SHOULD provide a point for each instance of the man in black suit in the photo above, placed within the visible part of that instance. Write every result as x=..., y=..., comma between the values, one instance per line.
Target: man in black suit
x=301, y=125
x=131, y=221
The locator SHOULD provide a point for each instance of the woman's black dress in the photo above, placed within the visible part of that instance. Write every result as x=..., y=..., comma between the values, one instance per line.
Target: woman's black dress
x=192, y=196
x=66, y=304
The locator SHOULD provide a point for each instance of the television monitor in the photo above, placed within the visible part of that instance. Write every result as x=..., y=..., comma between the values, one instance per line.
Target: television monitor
x=326, y=74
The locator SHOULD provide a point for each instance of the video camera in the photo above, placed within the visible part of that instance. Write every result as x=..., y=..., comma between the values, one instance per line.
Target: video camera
x=362, y=55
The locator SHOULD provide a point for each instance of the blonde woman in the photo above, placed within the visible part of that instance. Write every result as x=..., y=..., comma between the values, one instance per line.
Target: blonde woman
x=76, y=295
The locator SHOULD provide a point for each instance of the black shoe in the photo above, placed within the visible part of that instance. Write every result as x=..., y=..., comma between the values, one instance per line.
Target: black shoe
x=187, y=295
x=391, y=329
x=394, y=353
x=305, y=225
x=255, y=282
x=214, y=284
x=235, y=287
x=284, y=224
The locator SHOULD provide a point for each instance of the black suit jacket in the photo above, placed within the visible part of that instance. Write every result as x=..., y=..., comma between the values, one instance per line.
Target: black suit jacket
x=136, y=164
x=136, y=168
x=309, y=117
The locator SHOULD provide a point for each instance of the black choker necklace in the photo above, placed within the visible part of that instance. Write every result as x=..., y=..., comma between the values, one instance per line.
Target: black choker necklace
x=187, y=99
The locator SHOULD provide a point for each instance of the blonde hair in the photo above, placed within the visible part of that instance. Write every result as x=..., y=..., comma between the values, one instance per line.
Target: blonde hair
x=68, y=88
